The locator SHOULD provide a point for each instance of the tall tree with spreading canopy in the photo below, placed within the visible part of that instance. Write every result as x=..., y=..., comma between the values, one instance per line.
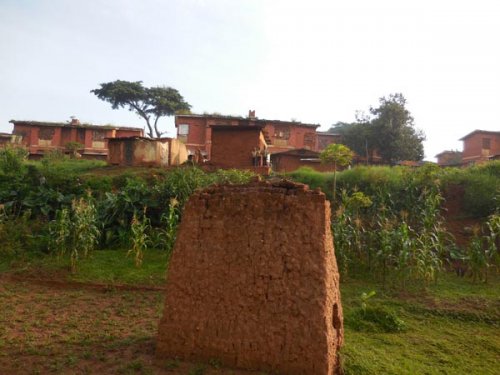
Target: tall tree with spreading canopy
x=388, y=129
x=150, y=103
x=397, y=138
x=339, y=156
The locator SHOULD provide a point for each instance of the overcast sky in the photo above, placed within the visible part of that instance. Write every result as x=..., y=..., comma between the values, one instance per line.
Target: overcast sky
x=313, y=61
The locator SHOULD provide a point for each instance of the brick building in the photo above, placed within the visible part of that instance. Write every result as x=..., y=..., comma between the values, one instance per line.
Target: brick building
x=324, y=139
x=449, y=158
x=196, y=132
x=241, y=147
x=42, y=137
x=480, y=146
x=291, y=160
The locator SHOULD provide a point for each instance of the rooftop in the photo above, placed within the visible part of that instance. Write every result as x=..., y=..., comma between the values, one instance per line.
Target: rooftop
x=477, y=131
x=72, y=124
x=241, y=118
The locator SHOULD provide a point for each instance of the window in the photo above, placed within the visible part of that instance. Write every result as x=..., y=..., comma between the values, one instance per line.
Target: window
x=282, y=132
x=46, y=134
x=486, y=143
x=183, y=129
x=309, y=140
x=98, y=135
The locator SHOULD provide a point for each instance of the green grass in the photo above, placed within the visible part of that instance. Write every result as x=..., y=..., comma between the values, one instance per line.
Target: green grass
x=102, y=266
x=451, y=327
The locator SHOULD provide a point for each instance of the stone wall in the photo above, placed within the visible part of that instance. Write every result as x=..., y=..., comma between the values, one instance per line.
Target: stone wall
x=253, y=281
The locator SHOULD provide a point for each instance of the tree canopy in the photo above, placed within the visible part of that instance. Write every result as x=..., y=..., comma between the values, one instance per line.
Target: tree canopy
x=150, y=103
x=338, y=155
x=388, y=129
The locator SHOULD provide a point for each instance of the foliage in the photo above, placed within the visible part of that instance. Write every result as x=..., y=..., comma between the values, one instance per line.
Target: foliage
x=482, y=252
x=375, y=319
x=150, y=103
x=138, y=228
x=339, y=156
x=73, y=148
x=389, y=131
x=377, y=232
x=75, y=231
x=11, y=159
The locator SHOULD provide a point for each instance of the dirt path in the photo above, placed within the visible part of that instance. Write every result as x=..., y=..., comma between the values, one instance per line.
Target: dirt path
x=50, y=327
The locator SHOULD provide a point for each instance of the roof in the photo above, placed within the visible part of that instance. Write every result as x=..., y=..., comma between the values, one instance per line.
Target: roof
x=5, y=135
x=138, y=138
x=240, y=118
x=237, y=127
x=302, y=152
x=69, y=125
x=448, y=152
x=329, y=134
x=477, y=131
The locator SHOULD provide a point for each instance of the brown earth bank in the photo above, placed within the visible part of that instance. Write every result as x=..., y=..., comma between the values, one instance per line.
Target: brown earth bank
x=84, y=329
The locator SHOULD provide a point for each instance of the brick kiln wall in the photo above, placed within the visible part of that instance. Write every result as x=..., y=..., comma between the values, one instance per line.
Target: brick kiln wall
x=253, y=281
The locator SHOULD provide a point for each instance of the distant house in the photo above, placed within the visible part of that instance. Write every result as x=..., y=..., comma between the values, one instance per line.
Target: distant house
x=326, y=138
x=288, y=161
x=240, y=147
x=449, y=158
x=480, y=146
x=5, y=138
x=146, y=152
x=42, y=137
x=196, y=132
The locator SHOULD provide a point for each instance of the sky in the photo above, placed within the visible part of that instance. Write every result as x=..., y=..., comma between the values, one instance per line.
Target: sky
x=315, y=61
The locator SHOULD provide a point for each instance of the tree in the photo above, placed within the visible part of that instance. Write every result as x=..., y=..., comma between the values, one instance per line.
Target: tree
x=389, y=129
x=150, y=103
x=338, y=155
x=395, y=136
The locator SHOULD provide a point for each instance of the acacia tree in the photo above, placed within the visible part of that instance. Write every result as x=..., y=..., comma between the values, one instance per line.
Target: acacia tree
x=150, y=103
x=339, y=156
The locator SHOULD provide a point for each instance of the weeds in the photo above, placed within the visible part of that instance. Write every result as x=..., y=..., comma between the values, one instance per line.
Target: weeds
x=139, y=227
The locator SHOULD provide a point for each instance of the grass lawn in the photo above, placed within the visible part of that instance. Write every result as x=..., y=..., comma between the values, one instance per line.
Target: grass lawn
x=51, y=321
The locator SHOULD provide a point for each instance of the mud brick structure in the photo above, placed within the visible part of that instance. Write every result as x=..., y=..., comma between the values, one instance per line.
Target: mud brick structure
x=253, y=281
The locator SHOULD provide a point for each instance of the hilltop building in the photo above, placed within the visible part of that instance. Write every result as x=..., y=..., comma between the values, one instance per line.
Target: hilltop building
x=40, y=137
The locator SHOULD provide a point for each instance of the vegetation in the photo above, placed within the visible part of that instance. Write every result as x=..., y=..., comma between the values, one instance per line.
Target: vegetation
x=79, y=329
x=389, y=222
x=389, y=130
x=339, y=156
x=56, y=206
x=150, y=103
x=403, y=313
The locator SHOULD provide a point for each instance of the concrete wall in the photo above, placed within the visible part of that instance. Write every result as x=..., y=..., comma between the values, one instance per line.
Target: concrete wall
x=253, y=281
x=178, y=152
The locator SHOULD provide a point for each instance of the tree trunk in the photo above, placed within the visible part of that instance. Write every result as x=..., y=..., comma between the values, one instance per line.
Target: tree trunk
x=158, y=133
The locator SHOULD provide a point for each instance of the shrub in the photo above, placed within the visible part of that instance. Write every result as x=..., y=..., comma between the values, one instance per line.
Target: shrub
x=12, y=159
x=374, y=319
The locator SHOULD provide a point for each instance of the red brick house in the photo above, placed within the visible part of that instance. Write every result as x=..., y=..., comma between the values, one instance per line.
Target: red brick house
x=42, y=137
x=291, y=160
x=240, y=147
x=480, y=146
x=449, y=158
x=326, y=138
x=196, y=132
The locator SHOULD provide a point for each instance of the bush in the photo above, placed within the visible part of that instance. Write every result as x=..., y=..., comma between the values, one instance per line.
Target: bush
x=374, y=319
